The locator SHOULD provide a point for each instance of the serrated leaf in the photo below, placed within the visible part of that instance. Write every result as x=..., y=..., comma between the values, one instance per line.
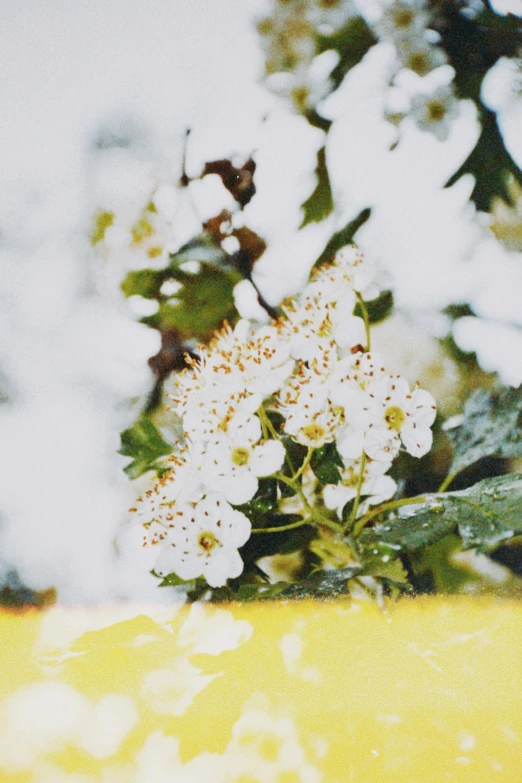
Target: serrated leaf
x=492, y=426
x=484, y=515
x=343, y=237
x=144, y=443
x=173, y=580
x=490, y=164
x=322, y=584
x=325, y=464
x=320, y=203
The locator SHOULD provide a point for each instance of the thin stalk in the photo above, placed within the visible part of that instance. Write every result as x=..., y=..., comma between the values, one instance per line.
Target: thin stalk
x=447, y=481
x=305, y=463
x=366, y=319
x=360, y=481
x=280, y=528
x=393, y=504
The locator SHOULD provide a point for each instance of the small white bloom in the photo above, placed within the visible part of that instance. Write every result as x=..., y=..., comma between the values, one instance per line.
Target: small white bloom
x=331, y=14
x=402, y=19
x=203, y=541
x=396, y=415
x=233, y=462
x=433, y=112
x=376, y=486
x=420, y=56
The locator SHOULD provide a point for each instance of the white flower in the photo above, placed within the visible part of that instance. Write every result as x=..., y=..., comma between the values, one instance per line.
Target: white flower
x=396, y=415
x=403, y=19
x=180, y=484
x=233, y=462
x=332, y=14
x=433, y=112
x=376, y=487
x=245, y=360
x=420, y=56
x=203, y=541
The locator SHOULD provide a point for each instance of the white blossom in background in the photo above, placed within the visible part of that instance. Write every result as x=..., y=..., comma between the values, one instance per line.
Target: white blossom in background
x=434, y=112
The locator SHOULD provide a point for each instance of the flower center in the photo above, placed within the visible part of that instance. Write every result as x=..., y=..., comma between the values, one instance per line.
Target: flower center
x=207, y=541
x=394, y=417
x=403, y=18
x=240, y=456
x=314, y=432
x=436, y=110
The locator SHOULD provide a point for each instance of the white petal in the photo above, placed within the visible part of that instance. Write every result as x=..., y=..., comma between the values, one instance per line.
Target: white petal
x=267, y=458
x=244, y=431
x=226, y=564
x=350, y=442
x=422, y=408
x=336, y=496
x=350, y=331
x=381, y=444
x=237, y=486
x=418, y=440
x=170, y=561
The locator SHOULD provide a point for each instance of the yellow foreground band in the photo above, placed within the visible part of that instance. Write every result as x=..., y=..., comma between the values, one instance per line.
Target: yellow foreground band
x=428, y=691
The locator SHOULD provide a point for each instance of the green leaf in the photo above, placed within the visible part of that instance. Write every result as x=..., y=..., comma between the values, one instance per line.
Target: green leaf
x=325, y=464
x=492, y=426
x=342, y=237
x=173, y=580
x=378, y=309
x=144, y=282
x=484, y=515
x=490, y=164
x=202, y=248
x=200, y=306
x=262, y=504
x=320, y=203
x=325, y=585
x=145, y=445
x=352, y=42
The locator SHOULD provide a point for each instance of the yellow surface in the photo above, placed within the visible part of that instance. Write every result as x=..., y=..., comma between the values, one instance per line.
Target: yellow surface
x=425, y=692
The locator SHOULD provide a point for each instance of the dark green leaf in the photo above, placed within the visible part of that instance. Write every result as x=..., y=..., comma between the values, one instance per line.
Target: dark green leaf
x=145, y=445
x=490, y=164
x=322, y=584
x=202, y=248
x=283, y=543
x=320, y=203
x=296, y=454
x=483, y=515
x=262, y=504
x=492, y=426
x=352, y=42
x=343, y=237
x=325, y=464
x=200, y=306
x=378, y=309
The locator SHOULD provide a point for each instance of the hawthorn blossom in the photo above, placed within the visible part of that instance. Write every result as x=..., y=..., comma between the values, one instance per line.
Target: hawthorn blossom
x=433, y=112
x=235, y=460
x=403, y=19
x=376, y=486
x=203, y=540
x=399, y=415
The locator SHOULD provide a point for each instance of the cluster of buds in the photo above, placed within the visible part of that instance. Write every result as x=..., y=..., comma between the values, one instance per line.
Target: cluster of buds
x=309, y=378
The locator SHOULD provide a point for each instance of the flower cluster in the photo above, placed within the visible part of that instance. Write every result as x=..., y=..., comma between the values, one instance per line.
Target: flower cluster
x=406, y=24
x=308, y=378
x=289, y=36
